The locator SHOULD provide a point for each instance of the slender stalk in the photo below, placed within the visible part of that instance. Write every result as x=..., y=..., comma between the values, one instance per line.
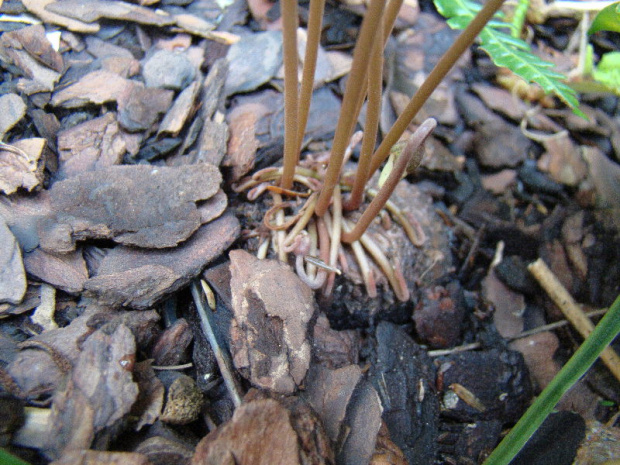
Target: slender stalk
x=373, y=112
x=315, y=23
x=411, y=151
x=445, y=63
x=355, y=86
x=604, y=333
x=291, y=91
x=389, y=18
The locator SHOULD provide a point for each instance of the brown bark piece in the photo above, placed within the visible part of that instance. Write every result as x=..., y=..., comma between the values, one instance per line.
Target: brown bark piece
x=272, y=308
x=40, y=367
x=177, y=115
x=89, y=146
x=98, y=395
x=96, y=88
x=509, y=305
x=93, y=10
x=363, y=422
x=20, y=166
x=12, y=274
x=212, y=142
x=265, y=432
x=164, y=451
x=143, y=206
x=151, y=395
x=329, y=392
x=65, y=271
x=98, y=457
x=502, y=101
x=12, y=110
x=138, y=278
x=334, y=349
x=172, y=346
x=140, y=106
x=213, y=208
x=563, y=161
x=113, y=58
x=39, y=8
x=29, y=50
x=242, y=145
x=439, y=315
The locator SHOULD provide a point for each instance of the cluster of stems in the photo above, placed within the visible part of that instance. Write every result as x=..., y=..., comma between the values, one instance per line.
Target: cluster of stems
x=319, y=226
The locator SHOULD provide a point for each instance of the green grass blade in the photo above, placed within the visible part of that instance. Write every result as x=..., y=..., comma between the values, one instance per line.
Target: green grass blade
x=605, y=332
x=9, y=459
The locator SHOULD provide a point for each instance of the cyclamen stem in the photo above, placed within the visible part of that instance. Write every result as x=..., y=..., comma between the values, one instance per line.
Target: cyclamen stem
x=412, y=150
x=355, y=87
x=445, y=64
x=291, y=91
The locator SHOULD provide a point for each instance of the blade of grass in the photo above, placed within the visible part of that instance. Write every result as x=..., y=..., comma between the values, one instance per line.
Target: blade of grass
x=605, y=332
x=7, y=458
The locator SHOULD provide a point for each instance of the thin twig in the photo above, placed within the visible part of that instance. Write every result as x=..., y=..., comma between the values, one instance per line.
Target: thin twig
x=529, y=332
x=221, y=356
x=558, y=293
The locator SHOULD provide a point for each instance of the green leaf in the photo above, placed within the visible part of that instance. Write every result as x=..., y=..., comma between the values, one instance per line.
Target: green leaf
x=9, y=459
x=605, y=332
x=608, y=19
x=608, y=71
x=510, y=52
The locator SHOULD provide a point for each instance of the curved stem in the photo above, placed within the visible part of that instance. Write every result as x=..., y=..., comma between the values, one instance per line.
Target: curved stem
x=411, y=153
x=291, y=96
x=445, y=63
x=362, y=262
x=398, y=283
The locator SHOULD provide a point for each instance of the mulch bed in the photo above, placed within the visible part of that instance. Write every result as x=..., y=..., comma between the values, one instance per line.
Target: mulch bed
x=138, y=326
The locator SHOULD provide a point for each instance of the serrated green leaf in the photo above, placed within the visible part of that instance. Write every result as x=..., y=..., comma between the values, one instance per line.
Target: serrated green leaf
x=608, y=19
x=510, y=52
x=450, y=9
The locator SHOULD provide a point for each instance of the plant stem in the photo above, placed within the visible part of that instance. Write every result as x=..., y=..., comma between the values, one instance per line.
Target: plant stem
x=445, y=63
x=355, y=86
x=604, y=333
x=315, y=22
x=291, y=91
x=389, y=18
x=411, y=150
x=373, y=112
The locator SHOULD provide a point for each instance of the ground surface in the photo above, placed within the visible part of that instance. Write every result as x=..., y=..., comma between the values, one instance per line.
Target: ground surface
x=122, y=147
